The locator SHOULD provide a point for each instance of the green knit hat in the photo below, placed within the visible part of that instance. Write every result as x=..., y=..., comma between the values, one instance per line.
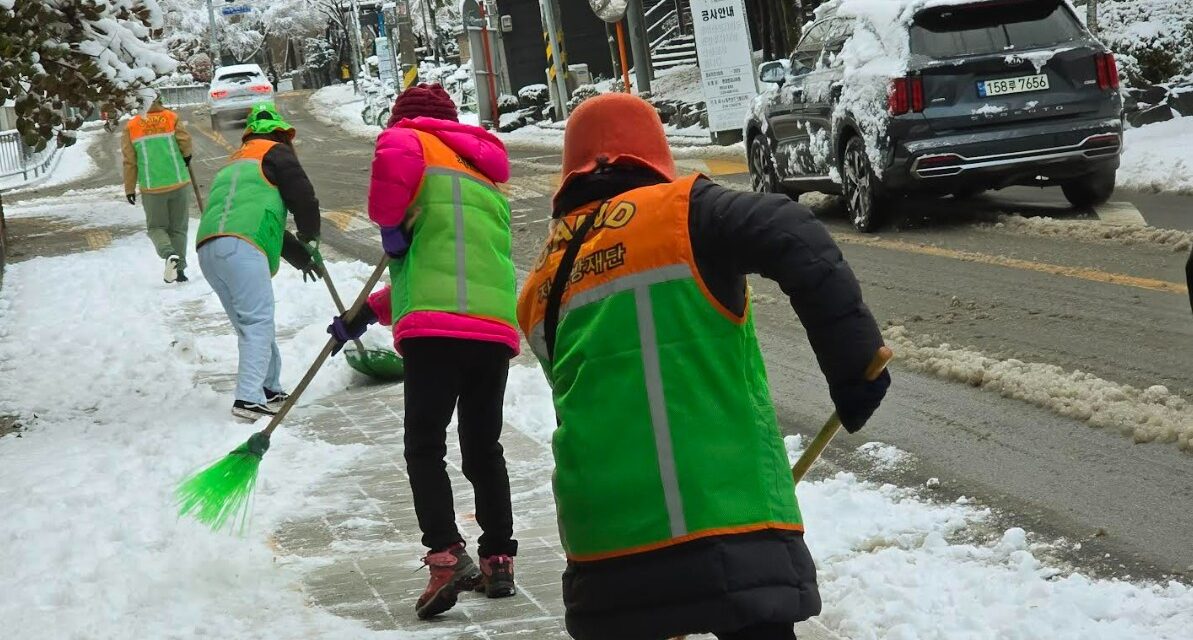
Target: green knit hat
x=265, y=118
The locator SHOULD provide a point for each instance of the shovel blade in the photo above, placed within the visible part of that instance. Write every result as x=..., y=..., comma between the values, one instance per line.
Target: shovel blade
x=378, y=364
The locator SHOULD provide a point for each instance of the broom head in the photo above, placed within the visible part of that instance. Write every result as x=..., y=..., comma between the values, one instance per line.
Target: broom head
x=219, y=496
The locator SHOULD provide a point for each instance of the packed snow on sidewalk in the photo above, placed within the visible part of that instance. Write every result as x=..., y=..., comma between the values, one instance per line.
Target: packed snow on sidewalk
x=108, y=371
x=893, y=565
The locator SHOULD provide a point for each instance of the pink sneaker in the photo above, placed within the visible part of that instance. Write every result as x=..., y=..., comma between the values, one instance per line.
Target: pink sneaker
x=497, y=579
x=452, y=571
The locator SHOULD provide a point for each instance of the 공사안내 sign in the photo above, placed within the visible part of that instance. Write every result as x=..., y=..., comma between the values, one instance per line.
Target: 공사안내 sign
x=726, y=63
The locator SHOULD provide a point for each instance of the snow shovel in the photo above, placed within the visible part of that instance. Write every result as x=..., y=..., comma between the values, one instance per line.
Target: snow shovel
x=220, y=495
x=379, y=364
x=831, y=427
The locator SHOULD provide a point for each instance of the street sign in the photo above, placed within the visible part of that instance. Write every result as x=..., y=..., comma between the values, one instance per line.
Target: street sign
x=726, y=65
x=235, y=10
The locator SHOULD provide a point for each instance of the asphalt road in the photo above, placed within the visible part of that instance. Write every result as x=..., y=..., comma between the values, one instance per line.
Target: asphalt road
x=1116, y=310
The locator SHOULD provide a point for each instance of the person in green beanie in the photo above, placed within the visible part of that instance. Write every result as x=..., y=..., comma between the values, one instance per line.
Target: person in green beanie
x=241, y=240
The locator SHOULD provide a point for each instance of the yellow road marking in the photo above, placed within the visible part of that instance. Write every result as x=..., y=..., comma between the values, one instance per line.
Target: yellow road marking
x=1082, y=273
x=725, y=167
x=215, y=136
x=347, y=220
x=97, y=239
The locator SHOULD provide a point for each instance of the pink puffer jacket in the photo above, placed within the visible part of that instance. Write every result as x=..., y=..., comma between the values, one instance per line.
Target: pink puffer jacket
x=398, y=167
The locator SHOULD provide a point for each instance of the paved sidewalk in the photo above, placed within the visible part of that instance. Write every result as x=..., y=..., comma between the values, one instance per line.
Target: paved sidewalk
x=372, y=539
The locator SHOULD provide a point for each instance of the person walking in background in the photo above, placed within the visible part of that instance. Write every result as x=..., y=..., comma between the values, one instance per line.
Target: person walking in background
x=157, y=154
x=675, y=501
x=446, y=227
x=241, y=239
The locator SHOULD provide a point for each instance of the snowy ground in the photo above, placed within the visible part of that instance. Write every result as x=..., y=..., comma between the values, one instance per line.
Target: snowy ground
x=70, y=164
x=110, y=372
x=114, y=374
x=1156, y=157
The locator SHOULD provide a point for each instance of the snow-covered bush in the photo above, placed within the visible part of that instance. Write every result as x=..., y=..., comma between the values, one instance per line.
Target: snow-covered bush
x=582, y=93
x=507, y=103
x=535, y=95
x=1153, y=39
x=60, y=54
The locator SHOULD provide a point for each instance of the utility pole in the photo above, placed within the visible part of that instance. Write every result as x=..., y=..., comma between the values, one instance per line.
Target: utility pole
x=354, y=40
x=636, y=21
x=1091, y=16
x=213, y=43
x=556, y=56
x=431, y=47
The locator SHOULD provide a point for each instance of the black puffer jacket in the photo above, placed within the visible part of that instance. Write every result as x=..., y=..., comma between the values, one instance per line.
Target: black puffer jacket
x=282, y=169
x=724, y=583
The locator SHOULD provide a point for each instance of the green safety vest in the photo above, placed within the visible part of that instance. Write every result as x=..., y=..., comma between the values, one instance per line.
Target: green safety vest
x=160, y=166
x=666, y=429
x=244, y=204
x=459, y=258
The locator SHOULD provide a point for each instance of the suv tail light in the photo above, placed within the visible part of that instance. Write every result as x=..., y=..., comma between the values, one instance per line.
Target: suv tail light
x=219, y=93
x=260, y=88
x=1107, y=71
x=906, y=94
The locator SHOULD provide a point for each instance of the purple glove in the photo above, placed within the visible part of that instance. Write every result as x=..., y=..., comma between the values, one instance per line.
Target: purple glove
x=345, y=331
x=395, y=241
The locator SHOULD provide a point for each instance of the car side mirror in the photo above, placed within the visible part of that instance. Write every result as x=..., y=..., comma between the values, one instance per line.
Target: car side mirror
x=773, y=72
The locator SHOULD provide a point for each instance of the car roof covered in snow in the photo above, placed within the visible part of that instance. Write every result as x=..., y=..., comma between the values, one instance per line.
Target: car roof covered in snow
x=239, y=68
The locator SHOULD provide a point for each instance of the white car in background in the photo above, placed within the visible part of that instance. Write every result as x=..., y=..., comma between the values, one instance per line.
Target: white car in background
x=234, y=90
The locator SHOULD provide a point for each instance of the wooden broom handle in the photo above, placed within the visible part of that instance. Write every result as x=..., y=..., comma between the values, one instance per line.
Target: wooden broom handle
x=327, y=349
x=830, y=428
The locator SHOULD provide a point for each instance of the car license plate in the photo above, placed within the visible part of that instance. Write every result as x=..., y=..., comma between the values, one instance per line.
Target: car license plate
x=1022, y=84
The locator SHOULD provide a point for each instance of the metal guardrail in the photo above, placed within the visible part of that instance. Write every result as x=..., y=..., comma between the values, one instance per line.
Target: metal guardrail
x=183, y=95
x=18, y=158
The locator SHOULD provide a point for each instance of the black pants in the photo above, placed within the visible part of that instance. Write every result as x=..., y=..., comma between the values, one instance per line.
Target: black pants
x=443, y=374
x=761, y=632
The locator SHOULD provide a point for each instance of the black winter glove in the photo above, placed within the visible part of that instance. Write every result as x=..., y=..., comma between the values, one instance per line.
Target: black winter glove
x=186, y=160
x=345, y=331
x=131, y=197
x=857, y=401
x=299, y=256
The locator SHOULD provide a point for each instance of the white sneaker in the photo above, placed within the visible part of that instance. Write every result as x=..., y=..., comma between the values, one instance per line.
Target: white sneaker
x=171, y=272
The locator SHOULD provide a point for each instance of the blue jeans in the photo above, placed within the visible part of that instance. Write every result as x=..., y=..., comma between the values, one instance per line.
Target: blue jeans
x=239, y=274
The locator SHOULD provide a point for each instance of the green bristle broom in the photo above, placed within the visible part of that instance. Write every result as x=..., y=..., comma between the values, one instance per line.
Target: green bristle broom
x=220, y=495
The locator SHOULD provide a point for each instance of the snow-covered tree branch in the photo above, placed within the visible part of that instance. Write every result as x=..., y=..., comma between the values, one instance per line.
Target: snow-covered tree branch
x=75, y=53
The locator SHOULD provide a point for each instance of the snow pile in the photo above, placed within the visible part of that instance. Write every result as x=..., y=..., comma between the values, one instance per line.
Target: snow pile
x=1156, y=157
x=107, y=369
x=889, y=565
x=1089, y=231
x=339, y=106
x=1152, y=414
x=72, y=163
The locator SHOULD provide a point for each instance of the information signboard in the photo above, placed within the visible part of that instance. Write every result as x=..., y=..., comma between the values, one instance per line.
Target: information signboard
x=726, y=64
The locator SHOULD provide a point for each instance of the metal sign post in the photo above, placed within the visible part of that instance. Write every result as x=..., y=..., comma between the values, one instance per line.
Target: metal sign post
x=556, y=56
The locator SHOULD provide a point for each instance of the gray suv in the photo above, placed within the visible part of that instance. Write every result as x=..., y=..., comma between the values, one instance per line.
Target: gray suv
x=1010, y=92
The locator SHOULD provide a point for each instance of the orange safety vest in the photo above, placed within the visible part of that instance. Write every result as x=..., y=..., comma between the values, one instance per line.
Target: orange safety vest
x=160, y=166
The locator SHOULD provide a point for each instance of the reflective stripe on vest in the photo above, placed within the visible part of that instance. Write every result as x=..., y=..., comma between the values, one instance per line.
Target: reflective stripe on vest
x=159, y=159
x=649, y=371
x=459, y=258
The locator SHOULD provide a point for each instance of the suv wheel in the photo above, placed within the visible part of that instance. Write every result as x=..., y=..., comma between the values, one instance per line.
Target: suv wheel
x=762, y=166
x=860, y=187
x=1089, y=190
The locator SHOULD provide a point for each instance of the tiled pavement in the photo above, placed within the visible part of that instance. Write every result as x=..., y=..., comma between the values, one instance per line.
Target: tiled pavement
x=369, y=548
